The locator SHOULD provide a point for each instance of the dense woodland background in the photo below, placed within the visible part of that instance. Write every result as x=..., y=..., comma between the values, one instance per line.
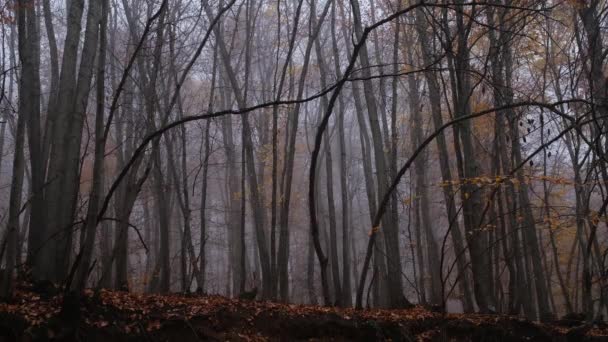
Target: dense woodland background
x=352, y=153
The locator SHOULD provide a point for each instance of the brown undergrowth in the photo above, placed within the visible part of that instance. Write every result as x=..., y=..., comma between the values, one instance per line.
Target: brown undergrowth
x=122, y=316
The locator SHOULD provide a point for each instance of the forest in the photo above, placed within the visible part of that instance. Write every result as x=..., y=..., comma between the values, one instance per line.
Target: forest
x=333, y=159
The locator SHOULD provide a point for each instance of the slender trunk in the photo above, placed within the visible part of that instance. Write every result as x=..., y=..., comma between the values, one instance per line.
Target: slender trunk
x=289, y=164
x=389, y=226
x=232, y=217
x=25, y=109
x=242, y=251
x=203, y=233
x=31, y=71
x=258, y=207
x=333, y=241
x=529, y=230
x=444, y=162
x=98, y=163
x=379, y=283
x=54, y=82
x=346, y=299
x=65, y=154
x=470, y=194
x=207, y=153
x=276, y=277
x=6, y=281
x=420, y=194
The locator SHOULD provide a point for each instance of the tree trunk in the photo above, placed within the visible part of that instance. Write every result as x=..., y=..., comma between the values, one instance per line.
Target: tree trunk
x=331, y=208
x=346, y=299
x=90, y=226
x=420, y=194
x=287, y=175
x=258, y=207
x=388, y=226
x=470, y=193
x=444, y=163
x=26, y=87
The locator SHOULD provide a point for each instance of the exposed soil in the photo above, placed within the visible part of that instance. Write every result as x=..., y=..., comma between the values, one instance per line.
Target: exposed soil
x=121, y=316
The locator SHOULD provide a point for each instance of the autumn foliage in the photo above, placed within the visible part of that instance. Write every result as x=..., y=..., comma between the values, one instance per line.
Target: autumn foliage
x=121, y=316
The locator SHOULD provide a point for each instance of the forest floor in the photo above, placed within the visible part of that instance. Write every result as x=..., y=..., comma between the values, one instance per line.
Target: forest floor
x=122, y=316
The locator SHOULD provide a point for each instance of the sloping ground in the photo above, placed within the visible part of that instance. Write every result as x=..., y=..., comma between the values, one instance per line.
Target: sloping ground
x=121, y=316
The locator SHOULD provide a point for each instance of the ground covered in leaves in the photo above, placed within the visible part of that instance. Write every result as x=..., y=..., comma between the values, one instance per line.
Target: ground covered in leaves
x=122, y=316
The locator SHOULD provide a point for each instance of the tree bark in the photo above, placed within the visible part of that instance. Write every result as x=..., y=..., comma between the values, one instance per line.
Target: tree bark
x=98, y=163
x=388, y=226
x=444, y=162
